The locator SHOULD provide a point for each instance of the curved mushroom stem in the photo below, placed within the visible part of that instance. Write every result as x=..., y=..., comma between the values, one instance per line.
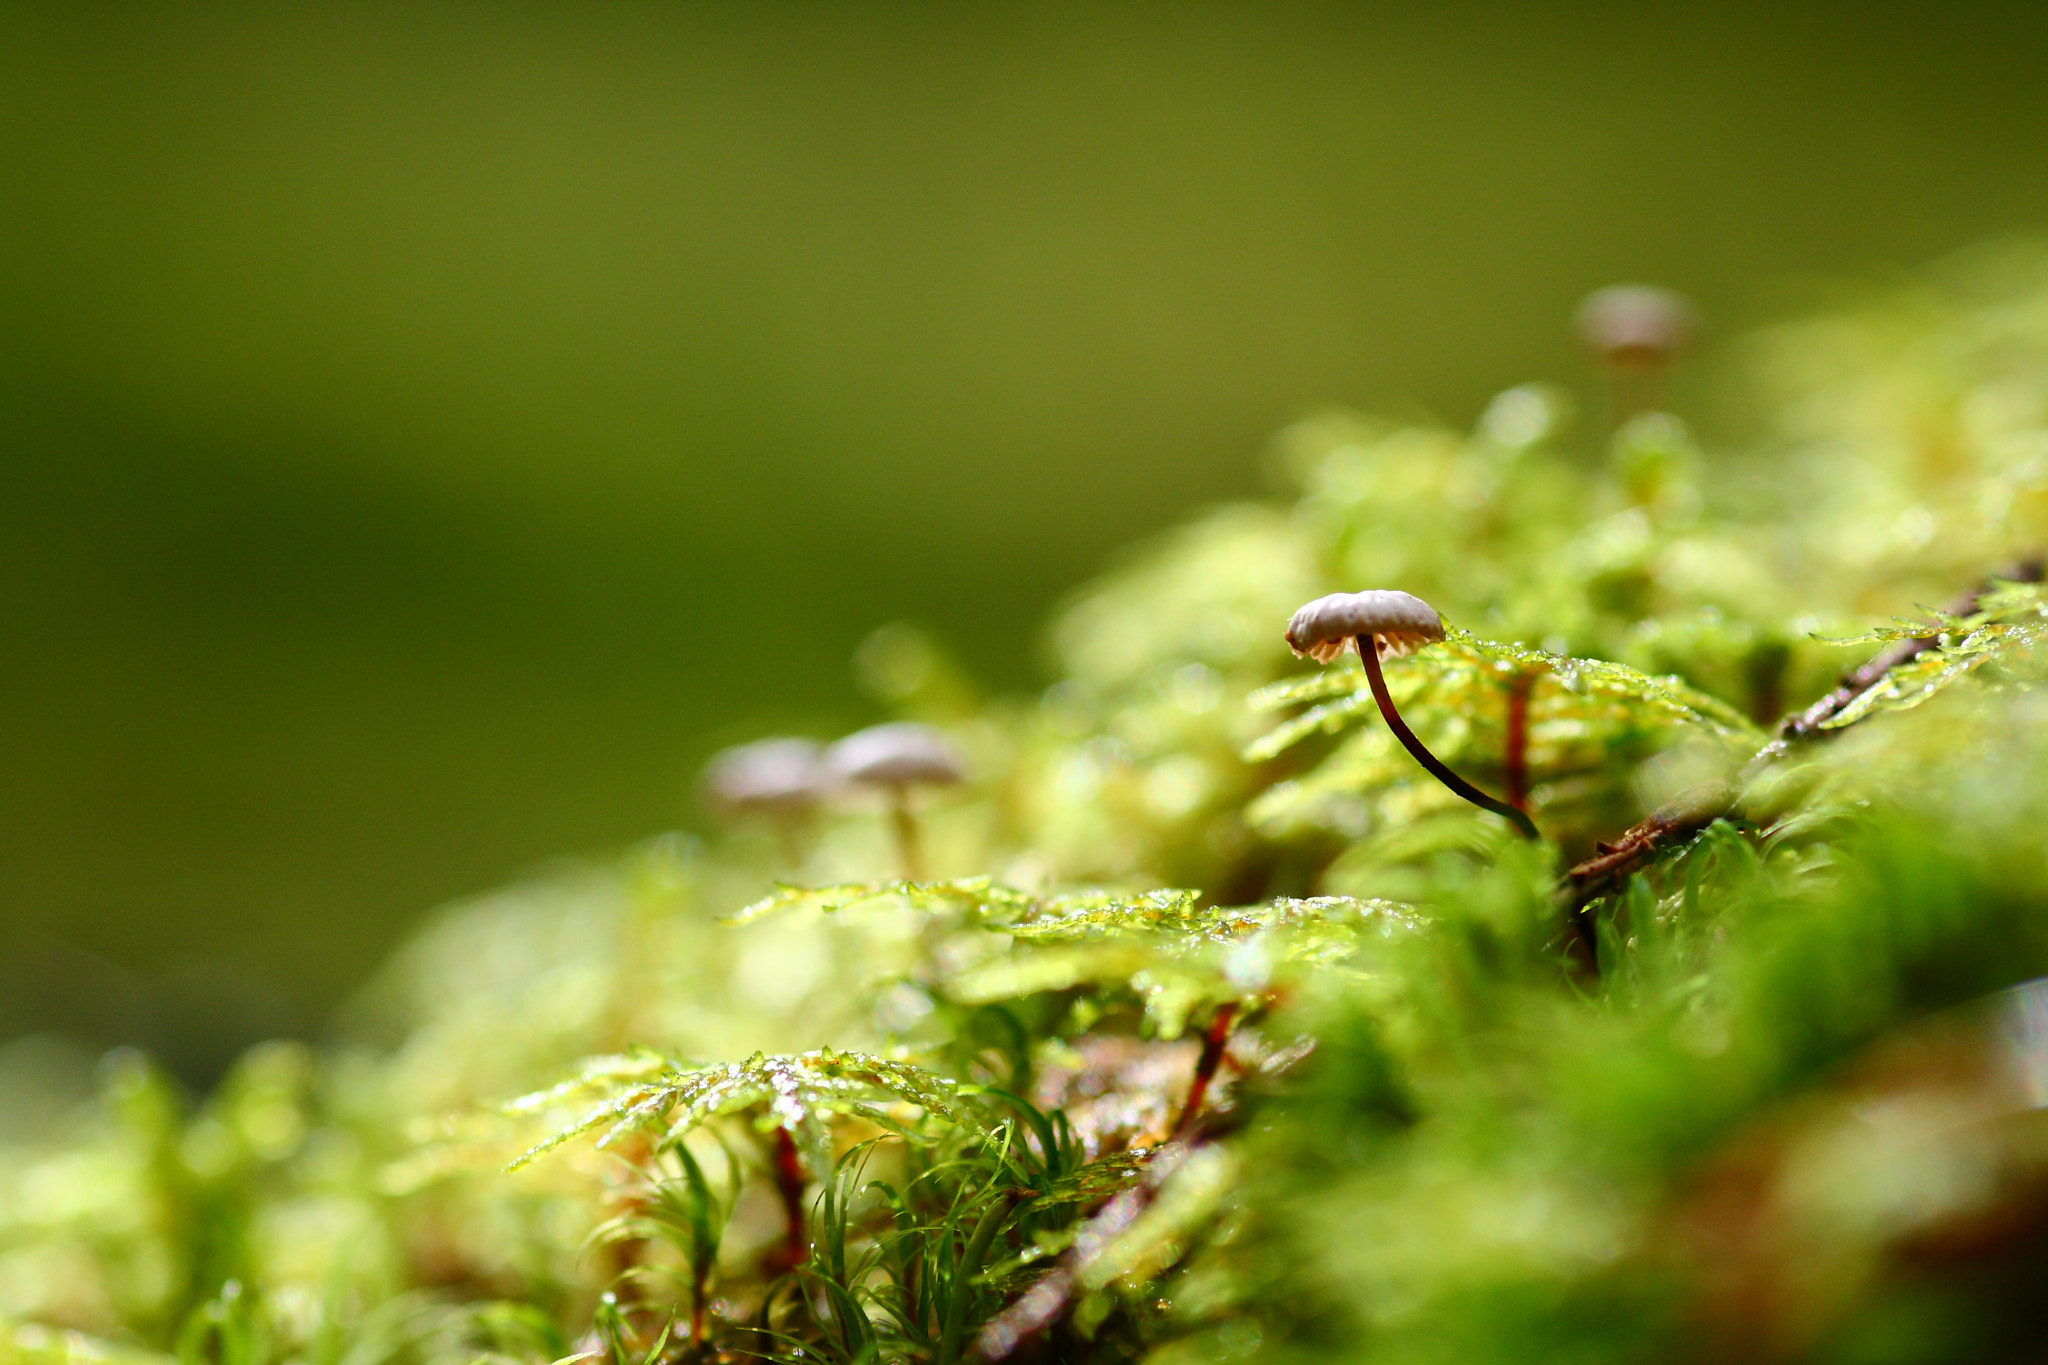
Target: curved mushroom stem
x=1369, y=654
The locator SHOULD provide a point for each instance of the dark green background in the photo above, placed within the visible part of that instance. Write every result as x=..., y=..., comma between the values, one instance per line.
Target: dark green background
x=426, y=429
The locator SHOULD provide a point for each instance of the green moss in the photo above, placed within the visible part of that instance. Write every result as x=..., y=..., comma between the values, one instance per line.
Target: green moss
x=1371, y=1089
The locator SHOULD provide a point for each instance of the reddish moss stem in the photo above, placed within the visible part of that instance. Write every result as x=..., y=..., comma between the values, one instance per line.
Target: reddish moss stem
x=1213, y=1043
x=789, y=1183
x=1515, y=757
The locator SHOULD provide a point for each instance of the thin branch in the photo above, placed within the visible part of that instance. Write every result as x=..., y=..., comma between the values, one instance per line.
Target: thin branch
x=1808, y=724
x=1694, y=810
x=1047, y=1301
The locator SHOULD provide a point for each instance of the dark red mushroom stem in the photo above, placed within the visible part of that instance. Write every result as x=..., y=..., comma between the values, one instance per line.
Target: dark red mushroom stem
x=1369, y=653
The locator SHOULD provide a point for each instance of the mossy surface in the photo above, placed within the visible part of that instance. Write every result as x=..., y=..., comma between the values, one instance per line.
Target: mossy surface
x=1216, y=1029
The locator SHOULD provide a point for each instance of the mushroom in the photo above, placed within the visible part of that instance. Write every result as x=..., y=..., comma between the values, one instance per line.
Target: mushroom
x=1635, y=330
x=782, y=780
x=1635, y=327
x=1396, y=624
x=896, y=757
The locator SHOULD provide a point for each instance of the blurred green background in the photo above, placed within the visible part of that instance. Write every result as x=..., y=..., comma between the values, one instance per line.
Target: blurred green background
x=428, y=429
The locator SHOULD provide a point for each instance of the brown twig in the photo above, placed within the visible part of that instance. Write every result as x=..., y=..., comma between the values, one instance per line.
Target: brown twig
x=1808, y=723
x=1694, y=810
x=1045, y=1302
x=1606, y=870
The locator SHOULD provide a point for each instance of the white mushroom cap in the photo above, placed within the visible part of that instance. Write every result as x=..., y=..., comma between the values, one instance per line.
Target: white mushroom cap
x=1398, y=622
x=1635, y=324
x=897, y=755
x=769, y=774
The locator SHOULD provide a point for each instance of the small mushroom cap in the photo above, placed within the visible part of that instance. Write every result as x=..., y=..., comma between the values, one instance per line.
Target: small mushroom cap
x=898, y=754
x=1635, y=326
x=1398, y=622
x=769, y=774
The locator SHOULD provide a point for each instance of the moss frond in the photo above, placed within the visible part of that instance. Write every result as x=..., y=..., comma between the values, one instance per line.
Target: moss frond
x=800, y=1092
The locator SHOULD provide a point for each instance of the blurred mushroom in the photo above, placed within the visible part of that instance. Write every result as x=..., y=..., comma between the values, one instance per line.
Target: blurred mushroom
x=895, y=758
x=1635, y=326
x=1635, y=330
x=1396, y=624
x=781, y=780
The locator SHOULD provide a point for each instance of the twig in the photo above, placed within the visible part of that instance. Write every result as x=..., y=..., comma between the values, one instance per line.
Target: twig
x=1691, y=812
x=1694, y=810
x=1046, y=1301
x=1808, y=723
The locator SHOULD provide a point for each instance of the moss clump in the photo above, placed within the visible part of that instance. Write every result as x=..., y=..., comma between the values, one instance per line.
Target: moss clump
x=1219, y=1030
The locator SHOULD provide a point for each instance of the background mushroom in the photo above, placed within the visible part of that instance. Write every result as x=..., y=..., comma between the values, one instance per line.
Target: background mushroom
x=1395, y=624
x=781, y=780
x=1635, y=331
x=894, y=758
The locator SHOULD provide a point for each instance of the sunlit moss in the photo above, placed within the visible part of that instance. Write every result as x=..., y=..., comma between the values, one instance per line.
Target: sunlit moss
x=1217, y=1030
